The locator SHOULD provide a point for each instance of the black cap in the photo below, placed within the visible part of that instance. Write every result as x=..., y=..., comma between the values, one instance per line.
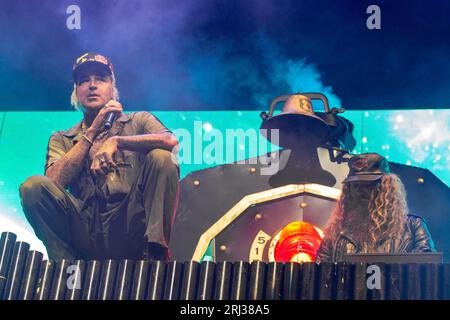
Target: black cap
x=367, y=167
x=92, y=61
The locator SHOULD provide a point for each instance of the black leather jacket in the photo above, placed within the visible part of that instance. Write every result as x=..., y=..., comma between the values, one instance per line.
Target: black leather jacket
x=416, y=238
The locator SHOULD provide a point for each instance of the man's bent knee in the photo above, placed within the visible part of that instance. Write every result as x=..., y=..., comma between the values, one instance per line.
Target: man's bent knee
x=31, y=189
x=162, y=159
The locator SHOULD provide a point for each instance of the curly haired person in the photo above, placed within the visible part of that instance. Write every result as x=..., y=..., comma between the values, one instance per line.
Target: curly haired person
x=372, y=215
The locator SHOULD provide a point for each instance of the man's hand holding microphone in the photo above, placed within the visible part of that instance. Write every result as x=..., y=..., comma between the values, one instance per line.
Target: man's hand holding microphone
x=103, y=161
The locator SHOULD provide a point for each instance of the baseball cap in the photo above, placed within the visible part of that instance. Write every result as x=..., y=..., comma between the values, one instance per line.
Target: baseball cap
x=367, y=167
x=92, y=61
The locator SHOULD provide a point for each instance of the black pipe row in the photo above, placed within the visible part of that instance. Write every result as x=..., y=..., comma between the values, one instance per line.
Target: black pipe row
x=24, y=275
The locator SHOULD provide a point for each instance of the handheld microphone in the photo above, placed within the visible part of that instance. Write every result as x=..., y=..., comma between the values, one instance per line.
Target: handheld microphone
x=110, y=118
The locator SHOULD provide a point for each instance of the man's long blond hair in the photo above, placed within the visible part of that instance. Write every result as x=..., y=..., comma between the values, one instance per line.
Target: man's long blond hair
x=387, y=209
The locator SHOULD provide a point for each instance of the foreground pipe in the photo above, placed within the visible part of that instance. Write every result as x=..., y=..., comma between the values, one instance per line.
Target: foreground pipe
x=44, y=280
x=30, y=275
x=15, y=271
x=7, y=241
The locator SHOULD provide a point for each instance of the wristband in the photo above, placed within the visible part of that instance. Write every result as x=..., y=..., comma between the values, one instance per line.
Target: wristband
x=87, y=139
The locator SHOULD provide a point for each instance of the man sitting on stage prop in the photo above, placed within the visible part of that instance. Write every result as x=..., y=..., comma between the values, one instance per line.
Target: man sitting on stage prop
x=107, y=192
x=372, y=215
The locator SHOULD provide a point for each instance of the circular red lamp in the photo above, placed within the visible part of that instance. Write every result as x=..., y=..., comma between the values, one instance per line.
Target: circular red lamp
x=299, y=242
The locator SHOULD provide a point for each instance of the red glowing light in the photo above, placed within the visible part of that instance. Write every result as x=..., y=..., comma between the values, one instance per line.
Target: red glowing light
x=298, y=242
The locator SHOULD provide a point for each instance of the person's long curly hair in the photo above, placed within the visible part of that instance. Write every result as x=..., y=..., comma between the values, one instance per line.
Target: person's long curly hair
x=387, y=210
